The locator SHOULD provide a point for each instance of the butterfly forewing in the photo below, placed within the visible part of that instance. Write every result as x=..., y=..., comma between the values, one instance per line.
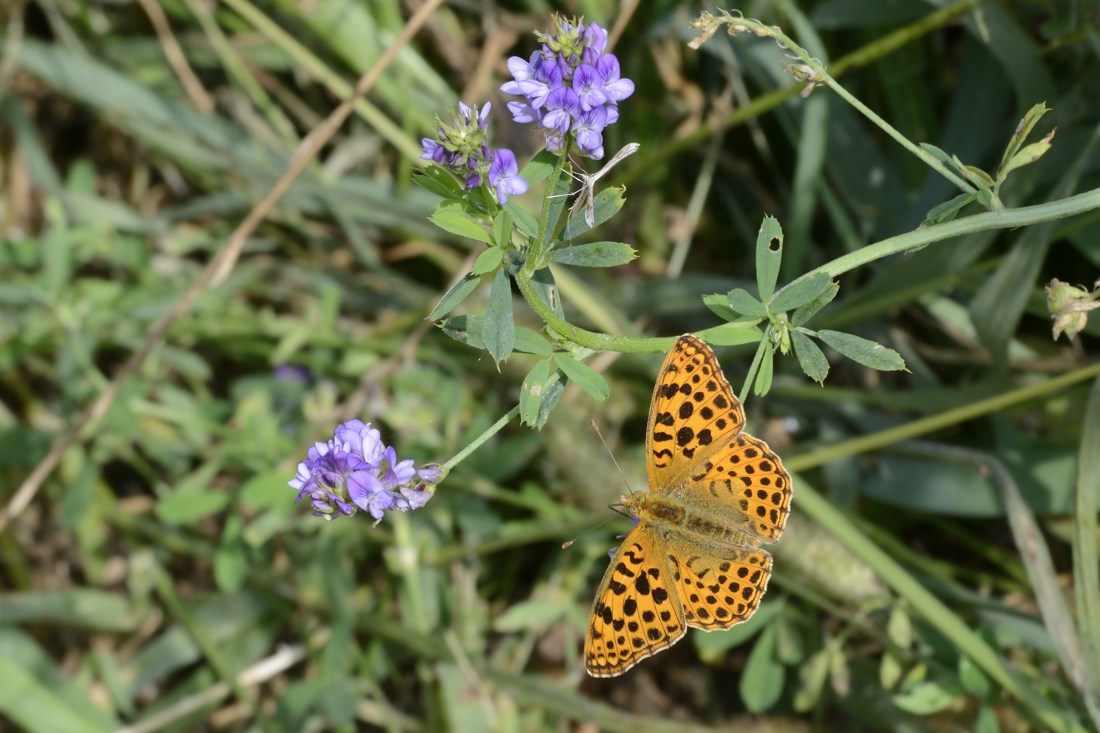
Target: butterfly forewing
x=692, y=412
x=636, y=612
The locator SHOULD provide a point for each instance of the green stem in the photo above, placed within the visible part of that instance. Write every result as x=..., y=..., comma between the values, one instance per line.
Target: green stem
x=820, y=73
x=910, y=241
x=1002, y=219
x=881, y=47
x=481, y=439
x=924, y=426
x=581, y=336
x=552, y=207
x=1086, y=553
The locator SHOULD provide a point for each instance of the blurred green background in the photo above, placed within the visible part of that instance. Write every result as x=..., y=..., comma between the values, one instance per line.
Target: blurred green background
x=162, y=578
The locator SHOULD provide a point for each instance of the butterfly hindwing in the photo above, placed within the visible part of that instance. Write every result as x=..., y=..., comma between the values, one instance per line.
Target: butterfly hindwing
x=719, y=590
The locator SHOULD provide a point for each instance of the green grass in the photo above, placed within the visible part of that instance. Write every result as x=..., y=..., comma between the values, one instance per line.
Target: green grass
x=178, y=225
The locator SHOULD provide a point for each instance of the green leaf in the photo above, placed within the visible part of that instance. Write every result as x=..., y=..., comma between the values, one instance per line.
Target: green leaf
x=551, y=395
x=732, y=334
x=260, y=490
x=1023, y=130
x=1028, y=155
x=926, y=698
x=583, y=376
x=187, y=507
x=769, y=256
x=810, y=357
x=938, y=153
x=987, y=721
x=502, y=229
x=977, y=176
x=899, y=630
x=812, y=675
x=537, y=615
x=531, y=393
x=607, y=203
x=499, y=329
x=720, y=306
x=454, y=295
x=974, y=680
x=745, y=305
x=524, y=220
x=438, y=181
x=465, y=329
x=456, y=221
x=31, y=701
x=1003, y=296
x=800, y=292
x=595, y=254
x=76, y=609
x=762, y=679
x=804, y=313
x=231, y=558
x=487, y=261
x=540, y=167
x=789, y=646
x=948, y=210
x=863, y=351
x=767, y=367
x=543, y=282
x=532, y=342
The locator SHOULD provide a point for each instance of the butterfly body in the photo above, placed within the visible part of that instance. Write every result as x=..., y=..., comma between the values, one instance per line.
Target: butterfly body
x=716, y=495
x=670, y=514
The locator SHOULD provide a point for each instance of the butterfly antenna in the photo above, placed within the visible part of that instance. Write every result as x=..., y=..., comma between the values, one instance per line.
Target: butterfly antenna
x=608, y=449
x=566, y=545
x=569, y=543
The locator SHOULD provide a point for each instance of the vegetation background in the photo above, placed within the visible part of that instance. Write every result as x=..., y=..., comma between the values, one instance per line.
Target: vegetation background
x=160, y=577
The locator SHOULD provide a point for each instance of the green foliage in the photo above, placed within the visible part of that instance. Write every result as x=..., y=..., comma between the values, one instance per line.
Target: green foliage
x=162, y=576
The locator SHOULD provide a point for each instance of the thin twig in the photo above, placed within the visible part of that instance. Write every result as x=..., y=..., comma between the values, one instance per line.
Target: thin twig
x=218, y=269
x=266, y=669
x=176, y=58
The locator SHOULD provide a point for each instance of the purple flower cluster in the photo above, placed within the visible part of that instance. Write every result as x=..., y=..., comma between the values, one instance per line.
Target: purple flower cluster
x=355, y=470
x=569, y=86
x=461, y=148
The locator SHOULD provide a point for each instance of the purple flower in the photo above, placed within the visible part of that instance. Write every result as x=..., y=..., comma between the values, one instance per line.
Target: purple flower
x=568, y=78
x=432, y=150
x=588, y=84
x=588, y=132
x=523, y=112
x=615, y=88
x=355, y=471
x=462, y=148
x=595, y=37
x=561, y=107
x=533, y=79
x=504, y=176
x=293, y=373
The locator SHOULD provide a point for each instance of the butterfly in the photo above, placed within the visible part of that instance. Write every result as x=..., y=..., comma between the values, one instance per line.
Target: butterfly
x=716, y=495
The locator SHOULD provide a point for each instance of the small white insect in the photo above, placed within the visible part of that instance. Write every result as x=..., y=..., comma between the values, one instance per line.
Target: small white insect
x=588, y=183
